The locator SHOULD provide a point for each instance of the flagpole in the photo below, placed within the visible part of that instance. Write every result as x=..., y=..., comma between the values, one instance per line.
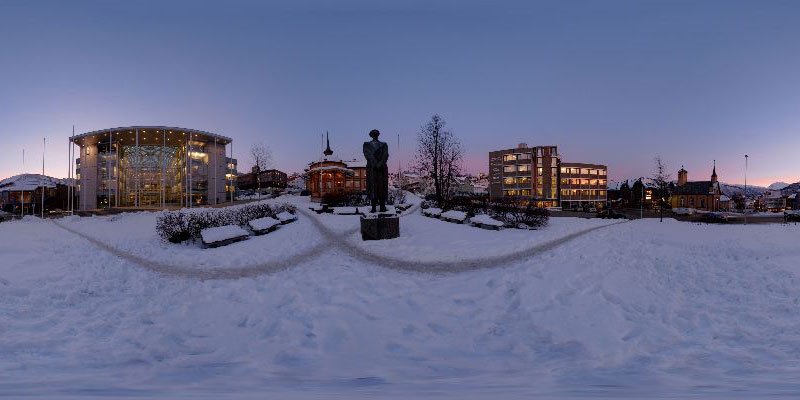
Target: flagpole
x=44, y=149
x=22, y=192
x=69, y=174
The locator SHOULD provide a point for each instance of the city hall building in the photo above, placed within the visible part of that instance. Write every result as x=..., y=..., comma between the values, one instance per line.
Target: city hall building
x=153, y=167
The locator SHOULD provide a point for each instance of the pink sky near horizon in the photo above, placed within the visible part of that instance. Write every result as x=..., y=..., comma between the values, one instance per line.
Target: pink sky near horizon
x=613, y=82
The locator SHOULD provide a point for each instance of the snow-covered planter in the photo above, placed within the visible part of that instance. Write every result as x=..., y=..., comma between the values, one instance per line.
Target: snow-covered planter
x=432, y=212
x=181, y=225
x=223, y=235
x=286, y=217
x=264, y=225
x=486, y=222
x=458, y=217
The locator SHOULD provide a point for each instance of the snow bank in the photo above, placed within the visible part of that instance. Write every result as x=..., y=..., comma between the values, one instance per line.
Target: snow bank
x=135, y=233
x=429, y=240
x=641, y=309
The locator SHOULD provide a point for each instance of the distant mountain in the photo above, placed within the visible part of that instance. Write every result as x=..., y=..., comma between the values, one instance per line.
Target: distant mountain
x=789, y=189
x=733, y=189
x=778, y=185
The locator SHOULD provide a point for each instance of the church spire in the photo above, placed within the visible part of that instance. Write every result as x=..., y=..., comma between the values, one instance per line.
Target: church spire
x=714, y=172
x=328, y=150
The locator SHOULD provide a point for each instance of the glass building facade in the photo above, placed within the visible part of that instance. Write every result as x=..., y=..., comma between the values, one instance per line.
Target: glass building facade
x=153, y=167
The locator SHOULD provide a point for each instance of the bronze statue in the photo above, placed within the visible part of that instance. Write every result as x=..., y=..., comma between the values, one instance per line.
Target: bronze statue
x=377, y=154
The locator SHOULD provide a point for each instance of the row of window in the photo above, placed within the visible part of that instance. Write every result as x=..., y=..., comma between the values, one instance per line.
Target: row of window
x=592, y=182
x=515, y=157
x=583, y=171
x=582, y=193
x=517, y=168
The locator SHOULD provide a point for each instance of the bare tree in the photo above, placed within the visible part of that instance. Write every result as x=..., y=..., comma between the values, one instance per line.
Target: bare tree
x=661, y=180
x=262, y=160
x=438, y=156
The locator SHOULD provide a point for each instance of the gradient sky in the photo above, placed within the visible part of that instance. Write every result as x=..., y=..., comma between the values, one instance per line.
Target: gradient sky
x=612, y=82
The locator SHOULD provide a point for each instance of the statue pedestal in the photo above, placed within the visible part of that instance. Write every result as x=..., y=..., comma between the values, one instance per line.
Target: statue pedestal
x=380, y=226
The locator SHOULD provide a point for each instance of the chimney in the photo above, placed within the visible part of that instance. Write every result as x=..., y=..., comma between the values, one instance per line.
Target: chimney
x=522, y=146
x=683, y=176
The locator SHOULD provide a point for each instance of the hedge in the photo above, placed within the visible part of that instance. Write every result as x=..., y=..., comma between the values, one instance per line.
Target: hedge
x=181, y=225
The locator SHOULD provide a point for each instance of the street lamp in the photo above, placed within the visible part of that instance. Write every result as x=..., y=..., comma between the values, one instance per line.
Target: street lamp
x=745, y=189
x=641, y=201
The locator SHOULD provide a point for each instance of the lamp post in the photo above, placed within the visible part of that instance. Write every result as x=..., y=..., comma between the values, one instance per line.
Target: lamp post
x=745, y=189
x=641, y=200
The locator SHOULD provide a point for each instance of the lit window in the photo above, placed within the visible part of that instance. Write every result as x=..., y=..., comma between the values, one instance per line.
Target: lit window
x=509, y=168
x=510, y=157
x=524, y=167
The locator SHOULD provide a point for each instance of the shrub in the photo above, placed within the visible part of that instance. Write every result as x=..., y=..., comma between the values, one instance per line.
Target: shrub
x=517, y=212
x=181, y=225
x=173, y=227
x=345, y=199
x=472, y=205
x=396, y=196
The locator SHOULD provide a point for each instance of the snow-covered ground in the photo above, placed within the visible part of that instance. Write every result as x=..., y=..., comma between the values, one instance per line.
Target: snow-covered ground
x=640, y=309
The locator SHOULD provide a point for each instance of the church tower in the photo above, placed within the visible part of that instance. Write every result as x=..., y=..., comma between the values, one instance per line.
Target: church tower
x=714, y=173
x=683, y=176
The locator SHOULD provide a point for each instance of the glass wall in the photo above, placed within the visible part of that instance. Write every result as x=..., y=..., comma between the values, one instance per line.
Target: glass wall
x=149, y=167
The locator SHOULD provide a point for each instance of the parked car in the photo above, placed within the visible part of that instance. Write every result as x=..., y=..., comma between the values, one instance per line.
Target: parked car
x=611, y=214
x=713, y=217
x=791, y=216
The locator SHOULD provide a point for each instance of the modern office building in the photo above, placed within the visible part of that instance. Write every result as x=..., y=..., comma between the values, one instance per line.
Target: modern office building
x=583, y=185
x=537, y=174
x=153, y=167
x=530, y=172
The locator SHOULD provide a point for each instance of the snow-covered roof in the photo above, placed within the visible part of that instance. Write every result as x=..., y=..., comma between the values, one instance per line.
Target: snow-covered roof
x=724, y=198
x=331, y=168
x=356, y=163
x=28, y=182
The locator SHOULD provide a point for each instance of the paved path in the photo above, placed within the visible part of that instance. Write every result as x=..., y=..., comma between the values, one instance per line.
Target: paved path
x=334, y=239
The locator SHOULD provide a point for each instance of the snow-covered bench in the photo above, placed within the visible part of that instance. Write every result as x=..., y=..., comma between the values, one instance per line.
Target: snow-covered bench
x=486, y=222
x=264, y=225
x=286, y=217
x=223, y=235
x=458, y=217
x=432, y=212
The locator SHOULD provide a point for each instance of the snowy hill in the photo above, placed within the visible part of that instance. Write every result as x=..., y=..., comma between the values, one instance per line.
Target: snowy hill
x=733, y=189
x=789, y=189
x=777, y=185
